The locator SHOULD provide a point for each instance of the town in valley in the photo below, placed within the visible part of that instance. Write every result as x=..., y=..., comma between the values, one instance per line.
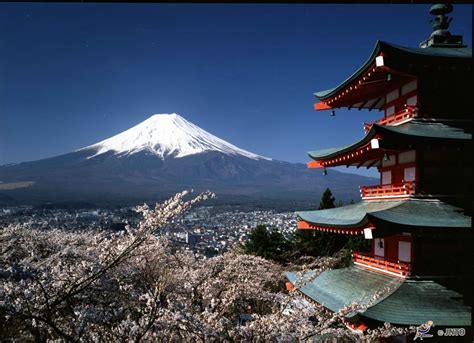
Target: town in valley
x=205, y=231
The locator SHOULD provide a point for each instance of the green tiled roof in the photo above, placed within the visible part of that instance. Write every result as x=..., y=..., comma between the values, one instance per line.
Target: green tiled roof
x=416, y=302
x=436, y=52
x=322, y=94
x=428, y=129
x=411, y=212
x=419, y=129
x=350, y=215
x=425, y=213
x=456, y=53
x=409, y=303
x=337, y=288
x=329, y=152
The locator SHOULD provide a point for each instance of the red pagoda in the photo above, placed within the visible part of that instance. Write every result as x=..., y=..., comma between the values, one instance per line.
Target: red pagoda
x=418, y=218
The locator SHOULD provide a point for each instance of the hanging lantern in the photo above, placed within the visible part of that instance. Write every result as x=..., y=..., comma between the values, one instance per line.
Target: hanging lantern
x=386, y=157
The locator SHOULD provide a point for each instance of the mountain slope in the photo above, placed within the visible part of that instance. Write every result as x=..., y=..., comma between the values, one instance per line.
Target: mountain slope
x=167, y=135
x=163, y=155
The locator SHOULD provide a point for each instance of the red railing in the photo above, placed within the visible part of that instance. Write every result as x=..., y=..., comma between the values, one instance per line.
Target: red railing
x=407, y=113
x=393, y=190
x=382, y=264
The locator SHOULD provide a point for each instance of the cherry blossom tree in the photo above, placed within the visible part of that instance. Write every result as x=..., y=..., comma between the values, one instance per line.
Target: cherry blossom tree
x=132, y=286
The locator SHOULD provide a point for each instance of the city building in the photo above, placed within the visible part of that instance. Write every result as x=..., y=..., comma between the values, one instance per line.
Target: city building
x=418, y=218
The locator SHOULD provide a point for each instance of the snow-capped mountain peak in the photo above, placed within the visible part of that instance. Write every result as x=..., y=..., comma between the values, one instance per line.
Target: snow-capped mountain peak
x=167, y=135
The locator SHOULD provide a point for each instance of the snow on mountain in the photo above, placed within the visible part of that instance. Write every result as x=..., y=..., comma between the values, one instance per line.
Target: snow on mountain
x=167, y=135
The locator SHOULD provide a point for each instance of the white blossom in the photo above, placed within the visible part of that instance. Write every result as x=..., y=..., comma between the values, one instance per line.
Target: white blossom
x=103, y=286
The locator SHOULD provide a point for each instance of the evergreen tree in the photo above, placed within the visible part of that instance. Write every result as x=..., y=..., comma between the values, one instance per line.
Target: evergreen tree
x=258, y=241
x=279, y=246
x=327, y=200
x=316, y=243
x=271, y=245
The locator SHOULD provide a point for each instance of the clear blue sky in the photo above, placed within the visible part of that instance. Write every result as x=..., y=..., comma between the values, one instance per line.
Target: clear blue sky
x=74, y=74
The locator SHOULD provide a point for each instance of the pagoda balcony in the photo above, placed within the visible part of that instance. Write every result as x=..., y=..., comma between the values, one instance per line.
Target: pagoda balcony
x=382, y=265
x=400, y=117
x=398, y=190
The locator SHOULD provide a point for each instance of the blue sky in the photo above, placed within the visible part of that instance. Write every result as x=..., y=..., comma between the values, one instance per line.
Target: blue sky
x=74, y=74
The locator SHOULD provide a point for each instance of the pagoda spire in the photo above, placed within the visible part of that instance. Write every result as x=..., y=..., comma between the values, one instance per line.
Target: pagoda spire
x=441, y=23
x=441, y=37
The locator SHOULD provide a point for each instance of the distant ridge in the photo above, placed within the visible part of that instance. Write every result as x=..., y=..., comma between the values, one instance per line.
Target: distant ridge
x=166, y=154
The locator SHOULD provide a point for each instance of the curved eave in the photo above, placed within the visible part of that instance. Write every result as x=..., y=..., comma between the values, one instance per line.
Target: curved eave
x=337, y=288
x=414, y=131
x=332, y=224
x=414, y=213
x=426, y=129
x=380, y=46
x=411, y=302
x=326, y=94
x=424, y=213
x=416, y=302
x=325, y=154
x=350, y=216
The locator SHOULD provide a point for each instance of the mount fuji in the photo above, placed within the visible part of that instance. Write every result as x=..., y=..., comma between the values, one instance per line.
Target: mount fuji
x=163, y=155
x=167, y=135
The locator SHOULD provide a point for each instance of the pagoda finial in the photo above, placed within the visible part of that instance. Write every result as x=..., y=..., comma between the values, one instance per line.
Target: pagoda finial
x=441, y=23
x=441, y=37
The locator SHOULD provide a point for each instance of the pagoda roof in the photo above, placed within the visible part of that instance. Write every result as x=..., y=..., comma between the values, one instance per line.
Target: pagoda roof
x=337, y=288
x=399, y=301
x=428, y=129
x=430, y=213
x=415, y=301
x=414, y=131
x=396, y=50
